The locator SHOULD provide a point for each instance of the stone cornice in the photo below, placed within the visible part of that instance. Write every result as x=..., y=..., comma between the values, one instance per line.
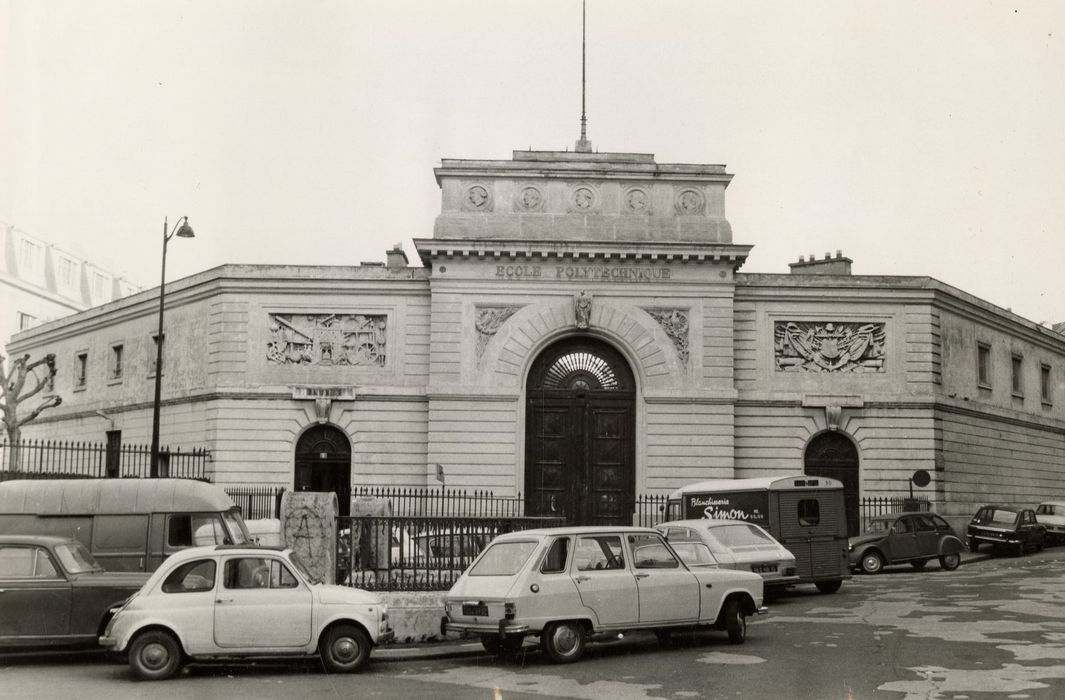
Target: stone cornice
x=433, y=248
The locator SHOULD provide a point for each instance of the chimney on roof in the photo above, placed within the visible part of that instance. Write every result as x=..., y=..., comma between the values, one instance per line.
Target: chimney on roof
x=838, y=265
x=395, y=259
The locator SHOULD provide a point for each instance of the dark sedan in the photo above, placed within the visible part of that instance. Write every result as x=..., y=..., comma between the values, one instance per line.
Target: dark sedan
x=1008, y=527
x=913, y=538
x=52, y=592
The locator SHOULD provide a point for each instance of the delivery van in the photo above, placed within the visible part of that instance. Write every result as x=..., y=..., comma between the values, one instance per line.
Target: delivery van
x=127, y=524
x=806, y=514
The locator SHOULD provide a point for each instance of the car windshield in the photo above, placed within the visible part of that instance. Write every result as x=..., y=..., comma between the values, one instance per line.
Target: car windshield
x=1045, y=509
x=741, y=534
x=694, y=553
x=302, y=568
x=237, y=530
x=996, y=516
x=76, y=559
x=504, y=558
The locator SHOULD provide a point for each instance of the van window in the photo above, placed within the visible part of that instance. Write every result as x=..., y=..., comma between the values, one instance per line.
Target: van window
x=191, y=529
x=555, y=561
x=119, y=533
x=191, y=577
x=809, y=512
x=237, y=531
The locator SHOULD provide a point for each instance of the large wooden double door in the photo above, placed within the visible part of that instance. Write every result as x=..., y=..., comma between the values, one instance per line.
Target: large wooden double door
x=580, y=435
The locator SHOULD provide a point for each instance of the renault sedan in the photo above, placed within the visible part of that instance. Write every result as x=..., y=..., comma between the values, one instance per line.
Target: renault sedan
x=568, y=586
x=243, y=602
x=732, y=544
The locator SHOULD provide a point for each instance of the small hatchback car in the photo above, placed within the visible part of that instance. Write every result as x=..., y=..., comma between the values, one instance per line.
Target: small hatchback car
x=905, y=538
x=571, y=585
x=1009, y=527
x=243, y=601
x=1051, y=514
x=731, y=544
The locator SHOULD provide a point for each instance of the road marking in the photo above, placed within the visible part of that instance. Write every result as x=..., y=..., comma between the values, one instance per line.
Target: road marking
x=539, y=684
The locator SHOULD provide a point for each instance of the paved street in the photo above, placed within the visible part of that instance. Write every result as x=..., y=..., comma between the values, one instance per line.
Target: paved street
x=992, y=629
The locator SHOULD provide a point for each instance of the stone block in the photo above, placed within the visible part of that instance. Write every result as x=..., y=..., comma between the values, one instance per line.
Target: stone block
x=309, y=527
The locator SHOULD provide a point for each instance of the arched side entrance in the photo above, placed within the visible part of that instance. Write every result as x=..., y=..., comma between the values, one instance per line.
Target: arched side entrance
x=580, y=434
x=323, y=463
x=832, y=454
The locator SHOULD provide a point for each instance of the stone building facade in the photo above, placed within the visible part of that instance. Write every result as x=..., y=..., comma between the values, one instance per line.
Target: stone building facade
x=578, y=332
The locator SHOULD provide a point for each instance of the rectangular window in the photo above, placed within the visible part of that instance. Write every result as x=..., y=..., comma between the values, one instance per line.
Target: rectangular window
x=98, y=281
x=66, y=272
x=30, y=258
x=809, y=512
x=1045, y=390
x=26, y=321
x=81, y=370
x=1017, y=374
x=983, y=365
x=115, y=370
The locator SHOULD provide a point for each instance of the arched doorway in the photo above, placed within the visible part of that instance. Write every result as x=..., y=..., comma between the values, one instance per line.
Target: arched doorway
x=580, y=434
x=832, y=454
x=323, y=463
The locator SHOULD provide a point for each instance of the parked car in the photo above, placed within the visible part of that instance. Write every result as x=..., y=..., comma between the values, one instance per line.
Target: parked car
x=1010, y=527
x=53, y=592
x=731, y=544
x=243, y=601
x=572, y=585
x=1051, y=514
x=905, y=538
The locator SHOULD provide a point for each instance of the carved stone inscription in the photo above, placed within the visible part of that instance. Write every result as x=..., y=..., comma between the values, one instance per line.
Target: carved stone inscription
x=488, y=321
x=327, y=339
x=802, y=346
x=675, y=323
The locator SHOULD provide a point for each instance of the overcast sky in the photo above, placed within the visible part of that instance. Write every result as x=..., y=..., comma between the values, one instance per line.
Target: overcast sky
x=918, y=137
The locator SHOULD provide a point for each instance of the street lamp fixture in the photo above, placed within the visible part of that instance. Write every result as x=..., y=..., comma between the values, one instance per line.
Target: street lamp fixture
x=182, y=230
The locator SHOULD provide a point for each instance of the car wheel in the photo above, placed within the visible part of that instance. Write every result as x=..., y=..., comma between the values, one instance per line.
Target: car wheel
x=501, y=646
x=154, y=656
x=829, y=586
x=1019, y=549
x=344, y=649
x=918, y=563
x=950, y=562
x=872, y=563
x=563, y=642
x=973, y=545
x=735, y=621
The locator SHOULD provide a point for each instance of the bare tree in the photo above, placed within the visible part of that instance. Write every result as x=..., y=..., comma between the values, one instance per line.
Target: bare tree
x=16, y=391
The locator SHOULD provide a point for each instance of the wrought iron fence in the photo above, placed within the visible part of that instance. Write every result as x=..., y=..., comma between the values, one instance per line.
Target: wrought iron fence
x=872, y=506
x=63, y=459
x=416, y=553
x=256, y=502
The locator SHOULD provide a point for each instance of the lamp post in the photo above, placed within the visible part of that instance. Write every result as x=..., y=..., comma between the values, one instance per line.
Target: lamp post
x=181, y=230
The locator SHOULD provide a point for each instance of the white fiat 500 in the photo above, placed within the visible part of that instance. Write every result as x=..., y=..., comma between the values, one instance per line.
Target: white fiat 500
x=243, y=601
x=572, y=585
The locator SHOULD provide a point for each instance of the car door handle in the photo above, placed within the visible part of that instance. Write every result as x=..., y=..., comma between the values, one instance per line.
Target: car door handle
x=709, y=585
x=642, y=575
x=581, y=579
x=223, y=600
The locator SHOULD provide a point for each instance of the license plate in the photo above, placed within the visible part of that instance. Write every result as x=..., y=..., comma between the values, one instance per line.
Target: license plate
x=475, y=610
x=763, y=568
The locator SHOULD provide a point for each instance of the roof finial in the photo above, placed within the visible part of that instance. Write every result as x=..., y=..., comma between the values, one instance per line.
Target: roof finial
x=583, y=144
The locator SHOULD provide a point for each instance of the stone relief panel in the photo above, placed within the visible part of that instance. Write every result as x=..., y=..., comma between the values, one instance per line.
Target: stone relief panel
x=529, y=198
x=584, y=199
x=689, y=202
x=825, y=346
x=327, y=339
x=488, y=320
x=477, y=197
x=675, y=323
x=636, y=201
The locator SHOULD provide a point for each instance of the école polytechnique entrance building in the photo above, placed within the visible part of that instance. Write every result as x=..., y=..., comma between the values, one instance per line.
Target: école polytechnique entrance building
x=578, y=331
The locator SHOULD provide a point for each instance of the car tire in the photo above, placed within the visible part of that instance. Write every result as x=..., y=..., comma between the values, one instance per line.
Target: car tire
x=950, y=562
x=563, y=642
x=1018, y=551
x=154, y=655
x=829, y=586
x=918, y=563
x=497, y=645
x=974, y=546
x=872, y=563
x=735, y=621
x=344, y=649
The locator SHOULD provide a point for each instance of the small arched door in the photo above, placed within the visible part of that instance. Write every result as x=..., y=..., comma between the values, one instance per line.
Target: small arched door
x=833, y=455
x=580, y=434
x=323, y=463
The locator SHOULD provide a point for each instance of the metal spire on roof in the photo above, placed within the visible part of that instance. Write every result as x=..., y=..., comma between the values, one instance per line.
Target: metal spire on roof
x=583, y=144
